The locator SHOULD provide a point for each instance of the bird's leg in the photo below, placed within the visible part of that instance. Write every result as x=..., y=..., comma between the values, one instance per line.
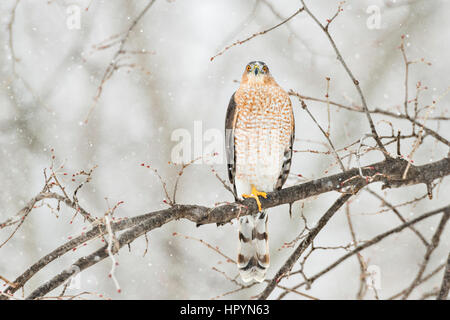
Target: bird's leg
x=255, y=193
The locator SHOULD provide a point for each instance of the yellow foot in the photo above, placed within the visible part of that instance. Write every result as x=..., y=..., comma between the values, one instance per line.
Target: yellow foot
x=255, y=193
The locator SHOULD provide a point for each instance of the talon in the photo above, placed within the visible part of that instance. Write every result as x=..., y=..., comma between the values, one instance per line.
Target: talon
x=255, y=193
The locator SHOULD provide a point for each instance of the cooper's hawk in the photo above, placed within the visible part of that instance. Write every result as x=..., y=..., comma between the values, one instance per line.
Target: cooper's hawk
x=260, y=130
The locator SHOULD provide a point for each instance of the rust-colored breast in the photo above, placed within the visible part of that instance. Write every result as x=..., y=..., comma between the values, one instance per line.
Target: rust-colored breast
x=263, y=128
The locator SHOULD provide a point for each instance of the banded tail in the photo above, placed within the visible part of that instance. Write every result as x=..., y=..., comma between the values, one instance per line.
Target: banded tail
x=253, y=253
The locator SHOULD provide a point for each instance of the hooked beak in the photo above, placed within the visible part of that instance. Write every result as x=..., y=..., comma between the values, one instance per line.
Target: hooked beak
x=256, y=71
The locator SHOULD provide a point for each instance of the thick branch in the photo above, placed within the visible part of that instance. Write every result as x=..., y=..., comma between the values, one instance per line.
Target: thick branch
x=388, y=171
x=70, y=245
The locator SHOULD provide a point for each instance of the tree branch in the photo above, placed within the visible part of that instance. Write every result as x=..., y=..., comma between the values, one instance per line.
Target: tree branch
x=429, y=131
x=238, y=42
x=375, y=240
x=431, y=247
x=389, y=172
x=347, y=69
x=443, y=293
x=113, y=66
x=286, y=268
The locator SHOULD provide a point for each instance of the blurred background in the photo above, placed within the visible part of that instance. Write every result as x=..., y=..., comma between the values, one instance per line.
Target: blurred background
x=51, y=69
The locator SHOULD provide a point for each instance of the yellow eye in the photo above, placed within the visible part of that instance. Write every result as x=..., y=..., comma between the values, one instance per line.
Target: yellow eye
x=249, y=68
x=265, y=69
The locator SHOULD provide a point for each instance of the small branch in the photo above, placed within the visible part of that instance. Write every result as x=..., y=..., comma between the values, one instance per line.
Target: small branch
x=326, y=134
x=445, y=286
x=297, y=292
x=429, y=131
x=113, y=65
x=239, y=42
x=303, y=245
x=424, y=279
x=355, y=82
x=362, y=265
x=112, y=242
x=373, y=241
x=407, y=63
x=398, y=214
x=433, y=245
x=420, y=134
x=7, y=281
x=216, y=249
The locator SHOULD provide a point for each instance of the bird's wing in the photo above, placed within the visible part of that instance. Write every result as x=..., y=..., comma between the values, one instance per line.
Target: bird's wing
x=230, y=122
x=287, y=159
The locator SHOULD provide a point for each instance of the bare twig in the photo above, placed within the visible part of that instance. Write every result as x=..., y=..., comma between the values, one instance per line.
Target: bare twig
x=371, y=242
x=398, y=214
x=303, y=245
x=422, y=280
x=347, y=69
x=433, y=245
x=429, y=131
x=239, y=42
x=326, y=134
x=113, y=65
x=445, y=286
x=362, y=265
x=216, y=249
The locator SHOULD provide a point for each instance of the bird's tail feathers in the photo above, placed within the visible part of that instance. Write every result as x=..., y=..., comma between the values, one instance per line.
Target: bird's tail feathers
x=253, y=255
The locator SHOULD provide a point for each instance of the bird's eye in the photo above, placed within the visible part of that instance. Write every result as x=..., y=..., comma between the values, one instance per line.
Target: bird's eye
x=265, y=69
x=249, y=68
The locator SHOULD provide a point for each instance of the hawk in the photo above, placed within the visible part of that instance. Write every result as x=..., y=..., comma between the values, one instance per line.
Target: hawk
x=260, y=129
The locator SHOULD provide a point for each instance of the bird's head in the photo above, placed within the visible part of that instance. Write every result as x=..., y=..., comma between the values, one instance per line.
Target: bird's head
x=256, y=71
